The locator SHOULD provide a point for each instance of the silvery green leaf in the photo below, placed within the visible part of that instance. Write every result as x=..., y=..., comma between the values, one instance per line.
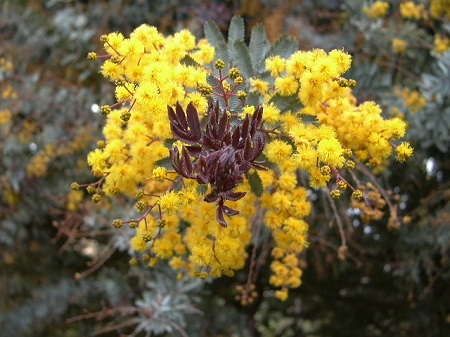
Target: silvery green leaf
x=236, y=31
x=284, y=47
x=258, y=46
x=213, y=34
x=241, y=58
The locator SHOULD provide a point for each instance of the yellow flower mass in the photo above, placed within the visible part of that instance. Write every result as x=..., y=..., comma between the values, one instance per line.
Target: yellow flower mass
x=378, y=10
x=177, y=224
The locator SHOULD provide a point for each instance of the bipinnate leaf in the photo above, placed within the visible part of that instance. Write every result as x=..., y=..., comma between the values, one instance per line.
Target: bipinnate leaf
x=223, y=54
x=236, y=31
x=165, y=162
x=213, y=34
x=285, y=103
x=241, y=58
x=258, y=46
x=285, y=46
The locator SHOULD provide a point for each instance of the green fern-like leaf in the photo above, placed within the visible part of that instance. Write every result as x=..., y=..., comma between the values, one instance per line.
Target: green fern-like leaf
x=253, y=99
x=223, y=54
x=285, y=103
x=189, y=61
x=284, y=47
x=241, y=58
x=256, y=184
x=213, y=34
x=164, y=162
x=236, y=31
x=258, y=46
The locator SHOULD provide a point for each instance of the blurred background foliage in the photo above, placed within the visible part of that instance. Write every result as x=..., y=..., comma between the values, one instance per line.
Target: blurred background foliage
x=64, y=271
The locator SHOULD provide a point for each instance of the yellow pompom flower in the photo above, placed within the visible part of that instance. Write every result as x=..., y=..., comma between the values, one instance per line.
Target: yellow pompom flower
x=271, y=113
x=5, y=116
x=409, y=10
x=286, y=86
x=378, y=10
x=278, y=151
x=259, y=85
x=342, y=60
x=275, y=65
x=399, y=46
x=138, y=244
x=330, y=152
x=273, y=220
x=113, y=42
x=404, y=151
x=201, y=255
x=170, y=202
x=159, y=173
x=441, y=44
x=282, y=295
x=112, y=70
x=204, y=53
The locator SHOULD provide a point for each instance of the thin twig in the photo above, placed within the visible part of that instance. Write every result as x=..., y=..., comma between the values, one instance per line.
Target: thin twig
x=99, y=261
x=337, y=217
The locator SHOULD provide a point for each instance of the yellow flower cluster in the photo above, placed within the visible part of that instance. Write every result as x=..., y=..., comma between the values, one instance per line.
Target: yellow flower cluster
x=177, y=224
x=149, y=76
x=5, y=116
x=378, y=10
x=344, y=125
x=440, y=9
x=213, y=249
x=373, y=209
x=412, y=99
x=399, y=46
x=409, y=10
x=9, y=195
x=38, y=165
x=441, y=44
x=286, y=206
x=74, y=200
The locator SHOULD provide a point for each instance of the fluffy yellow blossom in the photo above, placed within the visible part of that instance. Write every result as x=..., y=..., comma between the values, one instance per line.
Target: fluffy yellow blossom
x=148, y=36
x=404, y=151
x=409, y=10
x=159, y=173
x=201, y=255
x=272, y=113
x=113, y=42
x=378, y=10
x=413, y=99
x=440, y=9
x=124, y=92
x=275, y=65
x=273, y=220
x=329, y=151
x=138, y=244
x=204, y=53
x=319, y=138
x=441, y=43
x=287, y=181
x=286, y=86
x=399, y=46
x=112, y=70
x=170, y=202
x=342, y=60
x=282, y=294
x=259, y=85
x=5, y=116
x=278, y=151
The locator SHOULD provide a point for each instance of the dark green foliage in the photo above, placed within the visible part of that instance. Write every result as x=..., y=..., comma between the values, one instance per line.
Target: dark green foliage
x=256, y=183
